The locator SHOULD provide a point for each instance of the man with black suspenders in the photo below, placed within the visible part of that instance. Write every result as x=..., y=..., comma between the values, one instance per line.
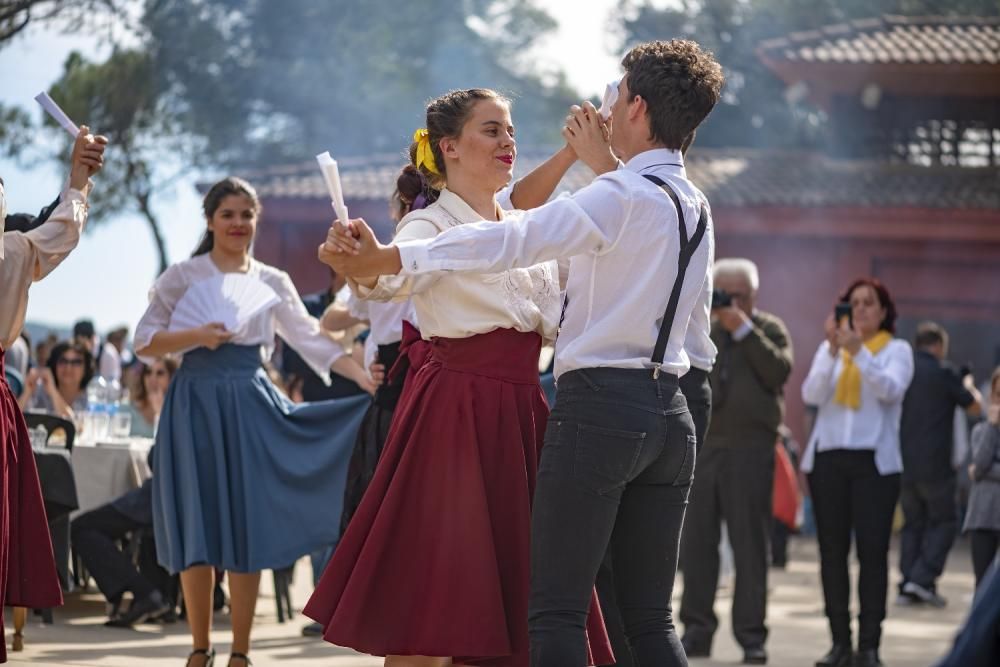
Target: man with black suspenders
x=619, y=451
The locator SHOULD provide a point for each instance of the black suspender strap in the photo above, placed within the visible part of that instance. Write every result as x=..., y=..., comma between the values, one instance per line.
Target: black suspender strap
x=688, y=247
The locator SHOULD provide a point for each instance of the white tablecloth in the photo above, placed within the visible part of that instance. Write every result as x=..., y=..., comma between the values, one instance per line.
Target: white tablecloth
x=107, y=470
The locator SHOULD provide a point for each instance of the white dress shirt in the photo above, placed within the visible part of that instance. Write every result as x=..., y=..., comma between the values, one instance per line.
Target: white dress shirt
x=460, y=305
x=885, y=378
x=621, y=235
x=288, y=317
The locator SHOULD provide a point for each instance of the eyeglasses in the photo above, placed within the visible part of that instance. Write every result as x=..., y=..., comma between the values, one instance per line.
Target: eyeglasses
x=70, y=361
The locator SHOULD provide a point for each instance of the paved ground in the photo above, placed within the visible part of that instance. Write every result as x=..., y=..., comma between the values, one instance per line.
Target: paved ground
x=914, y=637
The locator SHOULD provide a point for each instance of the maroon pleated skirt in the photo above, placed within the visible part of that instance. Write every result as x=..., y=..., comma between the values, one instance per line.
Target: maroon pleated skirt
x=27, y=567
x=436, y=560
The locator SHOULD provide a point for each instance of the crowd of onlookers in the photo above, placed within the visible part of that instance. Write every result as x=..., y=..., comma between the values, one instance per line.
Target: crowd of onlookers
x=889, y=447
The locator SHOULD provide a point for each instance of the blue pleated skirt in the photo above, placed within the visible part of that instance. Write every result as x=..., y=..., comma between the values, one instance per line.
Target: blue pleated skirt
x=244, y=479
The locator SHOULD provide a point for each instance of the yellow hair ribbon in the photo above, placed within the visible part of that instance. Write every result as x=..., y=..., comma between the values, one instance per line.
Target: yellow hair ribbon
x=425, y=156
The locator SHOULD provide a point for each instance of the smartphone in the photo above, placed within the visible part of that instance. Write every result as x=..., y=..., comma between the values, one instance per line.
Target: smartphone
x=841, y=312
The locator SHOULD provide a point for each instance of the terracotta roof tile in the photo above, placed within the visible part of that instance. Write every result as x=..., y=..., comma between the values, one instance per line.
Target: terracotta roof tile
x=894, y=39
x=728, y=177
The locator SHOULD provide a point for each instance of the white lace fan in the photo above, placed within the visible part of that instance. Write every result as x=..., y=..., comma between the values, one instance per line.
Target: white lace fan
x=230, y=298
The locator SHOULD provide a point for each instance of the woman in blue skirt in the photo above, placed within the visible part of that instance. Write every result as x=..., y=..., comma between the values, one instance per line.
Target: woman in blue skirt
x=239, y=467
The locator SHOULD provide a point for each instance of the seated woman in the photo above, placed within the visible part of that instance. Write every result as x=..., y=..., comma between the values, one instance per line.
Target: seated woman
x=60, y=388
x=147, y=395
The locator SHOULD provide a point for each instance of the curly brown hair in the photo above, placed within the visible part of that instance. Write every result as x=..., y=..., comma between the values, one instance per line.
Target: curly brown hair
x=446, y=115
x=680, y=84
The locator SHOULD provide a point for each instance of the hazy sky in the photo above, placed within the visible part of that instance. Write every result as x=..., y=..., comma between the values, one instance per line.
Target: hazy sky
x=107, y=277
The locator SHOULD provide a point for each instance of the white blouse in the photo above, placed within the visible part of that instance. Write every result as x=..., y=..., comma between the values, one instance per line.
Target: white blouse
x=289, y=318
x=30, y=256
x=885, y=378
x=461, y=305
x=385, y=321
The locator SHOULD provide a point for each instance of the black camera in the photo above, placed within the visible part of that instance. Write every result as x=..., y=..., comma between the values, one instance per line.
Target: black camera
x=721, y=299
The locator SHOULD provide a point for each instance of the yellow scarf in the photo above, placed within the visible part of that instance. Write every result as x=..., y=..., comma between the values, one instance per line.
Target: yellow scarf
x=848, y=391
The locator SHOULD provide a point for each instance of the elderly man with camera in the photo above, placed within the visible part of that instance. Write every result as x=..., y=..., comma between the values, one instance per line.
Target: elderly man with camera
x=735, y=467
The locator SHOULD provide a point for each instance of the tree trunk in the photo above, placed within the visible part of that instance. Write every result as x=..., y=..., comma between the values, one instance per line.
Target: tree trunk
x=154, y=228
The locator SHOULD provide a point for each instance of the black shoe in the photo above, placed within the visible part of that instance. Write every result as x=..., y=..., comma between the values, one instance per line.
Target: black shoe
x=209, y=654
x=312, y=630
x=867, y=658
x=150, y=606
x=242, y=657
x=168, y=617
x=839, y=656
x=694, y=648
x=755, y=655
x=218, y=598
x=924, y=594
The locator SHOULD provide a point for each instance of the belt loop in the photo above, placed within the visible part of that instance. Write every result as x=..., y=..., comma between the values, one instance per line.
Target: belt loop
x=590, y=383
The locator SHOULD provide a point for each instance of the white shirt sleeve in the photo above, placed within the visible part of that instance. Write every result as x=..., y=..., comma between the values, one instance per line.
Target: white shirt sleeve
x=400, y=287
x=358, y=308
x=890, y=381
x=302, y=331
x=589, y=221
x=163, y=297
x=819, y=386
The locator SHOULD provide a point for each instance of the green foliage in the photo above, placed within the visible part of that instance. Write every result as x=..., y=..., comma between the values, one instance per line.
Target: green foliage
x=754, y=111
x=121, y=99
x=270, y=82
x=16, y=15
x=15, y=131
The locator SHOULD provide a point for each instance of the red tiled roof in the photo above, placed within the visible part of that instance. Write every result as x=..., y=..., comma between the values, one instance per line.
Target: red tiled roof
x=734, y=178
x=894, y=40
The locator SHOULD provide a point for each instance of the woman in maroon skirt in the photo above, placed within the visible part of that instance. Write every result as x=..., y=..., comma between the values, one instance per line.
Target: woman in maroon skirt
x=27, y=568
x=434, y=567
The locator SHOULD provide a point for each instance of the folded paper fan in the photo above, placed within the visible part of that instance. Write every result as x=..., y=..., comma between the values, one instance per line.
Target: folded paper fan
x=231, y=298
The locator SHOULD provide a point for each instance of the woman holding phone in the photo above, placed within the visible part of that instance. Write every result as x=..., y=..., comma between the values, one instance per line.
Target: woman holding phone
x=858, y=378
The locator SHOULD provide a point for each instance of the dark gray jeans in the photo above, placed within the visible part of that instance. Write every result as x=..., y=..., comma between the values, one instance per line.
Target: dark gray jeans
x=614, y=474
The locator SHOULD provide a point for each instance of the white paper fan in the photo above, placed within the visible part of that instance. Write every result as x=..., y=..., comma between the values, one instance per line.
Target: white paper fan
x=230, y=298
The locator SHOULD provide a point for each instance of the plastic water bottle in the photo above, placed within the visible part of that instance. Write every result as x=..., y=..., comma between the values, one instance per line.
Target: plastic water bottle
x=121, y=419
x=95, y=424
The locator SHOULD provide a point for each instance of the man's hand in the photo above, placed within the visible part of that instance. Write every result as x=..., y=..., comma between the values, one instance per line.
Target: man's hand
x=87, y=158
x=590, y=138
x=731, y=318
x=353, y=250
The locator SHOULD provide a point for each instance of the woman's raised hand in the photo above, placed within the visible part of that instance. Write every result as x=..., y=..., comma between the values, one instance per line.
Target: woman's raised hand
x=87, y=158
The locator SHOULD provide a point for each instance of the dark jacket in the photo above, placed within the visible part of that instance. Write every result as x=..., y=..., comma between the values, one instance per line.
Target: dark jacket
x=748, y=381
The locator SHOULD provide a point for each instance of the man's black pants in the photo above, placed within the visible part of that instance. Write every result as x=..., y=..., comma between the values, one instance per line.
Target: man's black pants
x=734, y=484
x=95, y=534
x=698, y=392
x=614, y=474
x=929, y=531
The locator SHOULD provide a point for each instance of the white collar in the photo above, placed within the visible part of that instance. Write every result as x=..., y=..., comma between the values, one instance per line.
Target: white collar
x=668, y=159
x=457, y=208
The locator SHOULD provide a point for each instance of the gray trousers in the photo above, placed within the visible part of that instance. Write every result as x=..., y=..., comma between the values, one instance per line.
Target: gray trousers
x=735, y=485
